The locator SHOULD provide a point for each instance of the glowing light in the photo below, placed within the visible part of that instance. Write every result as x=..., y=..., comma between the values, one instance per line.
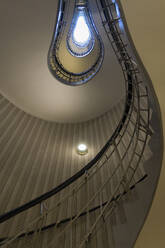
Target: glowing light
x=82, y=149
x=81, y=33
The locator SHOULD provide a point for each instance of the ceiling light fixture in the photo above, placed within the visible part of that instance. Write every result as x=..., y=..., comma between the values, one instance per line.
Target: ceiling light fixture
x=82, y=149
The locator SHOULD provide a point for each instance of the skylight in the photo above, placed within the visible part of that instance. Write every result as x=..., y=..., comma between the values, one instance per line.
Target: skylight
x=81, y=33
x=81, y=39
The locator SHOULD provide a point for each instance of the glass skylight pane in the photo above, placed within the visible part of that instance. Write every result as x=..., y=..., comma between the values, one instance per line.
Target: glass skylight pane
x=81, y=32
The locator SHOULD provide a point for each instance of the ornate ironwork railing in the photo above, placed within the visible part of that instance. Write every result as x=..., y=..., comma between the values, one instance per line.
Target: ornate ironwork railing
x=54, y=217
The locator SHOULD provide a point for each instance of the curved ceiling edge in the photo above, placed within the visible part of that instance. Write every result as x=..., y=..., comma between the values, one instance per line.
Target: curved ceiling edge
x=28, y=113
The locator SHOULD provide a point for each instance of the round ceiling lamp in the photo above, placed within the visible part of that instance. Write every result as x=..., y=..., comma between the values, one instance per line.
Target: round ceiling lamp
x=82, y=149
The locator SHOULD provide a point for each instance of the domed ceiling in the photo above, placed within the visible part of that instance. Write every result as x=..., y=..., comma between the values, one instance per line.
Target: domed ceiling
x=26, y=32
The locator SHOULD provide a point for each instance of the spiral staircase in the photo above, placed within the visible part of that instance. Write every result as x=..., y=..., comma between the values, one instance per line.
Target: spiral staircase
x=82, y=210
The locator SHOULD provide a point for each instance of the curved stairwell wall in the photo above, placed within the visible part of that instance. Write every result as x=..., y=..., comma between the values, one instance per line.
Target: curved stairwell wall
x=146, y=23
x=37, y=155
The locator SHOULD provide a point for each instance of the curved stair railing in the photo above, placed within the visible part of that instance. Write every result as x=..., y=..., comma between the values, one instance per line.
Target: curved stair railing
x=76, y=212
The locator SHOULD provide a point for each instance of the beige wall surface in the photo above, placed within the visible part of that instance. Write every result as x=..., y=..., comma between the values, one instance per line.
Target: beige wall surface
x=146, y=23
x=43, y=154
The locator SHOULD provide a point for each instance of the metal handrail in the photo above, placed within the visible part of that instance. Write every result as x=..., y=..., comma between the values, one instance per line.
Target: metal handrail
x=69, y=181
x=63, y=221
